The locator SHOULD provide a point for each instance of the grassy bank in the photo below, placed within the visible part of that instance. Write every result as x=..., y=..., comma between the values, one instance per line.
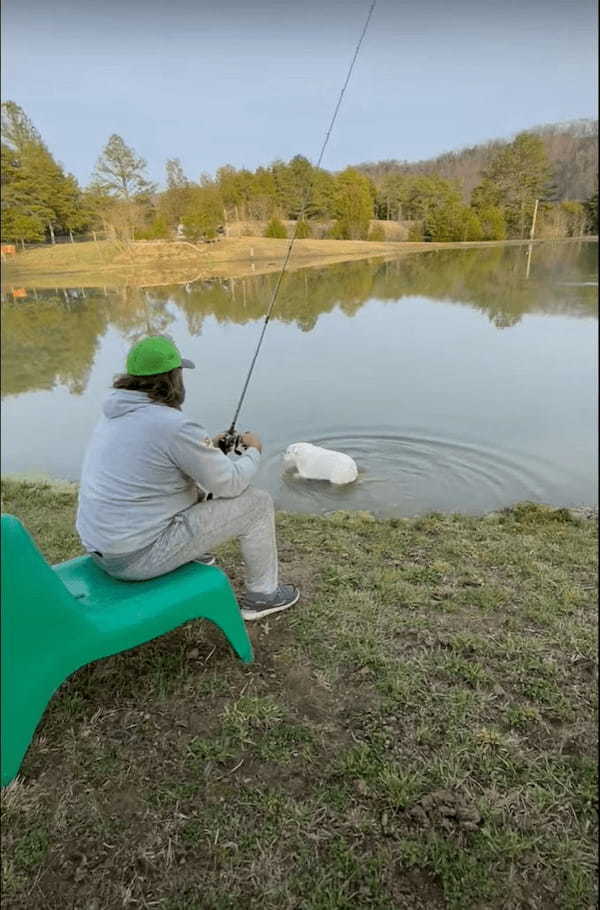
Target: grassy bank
x=417, y=733
x=154, y=263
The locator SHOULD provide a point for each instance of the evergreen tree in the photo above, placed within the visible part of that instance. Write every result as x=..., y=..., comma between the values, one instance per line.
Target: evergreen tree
x=158, y=229
x=471, y=225
x=37, y=196
x=422, y=195
x=323, y=194
x=18, y=132
x=390, y=197
x=591, y=210
x=262, y=203
x=228, y=182
x=23, y=217
x=244, y=180
x=275, y=228
x=413, y=197
x=303, y=229
x=452, y=222
x=518, y=174
x=493, y=225
x=204, y=213
x=486, y=195
x=294, y=183
x=17, y=225
x=353, y=205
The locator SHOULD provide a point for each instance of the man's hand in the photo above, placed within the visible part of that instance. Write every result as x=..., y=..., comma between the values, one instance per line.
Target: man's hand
x=247, y=439
x=217, y=439
x=251, y=440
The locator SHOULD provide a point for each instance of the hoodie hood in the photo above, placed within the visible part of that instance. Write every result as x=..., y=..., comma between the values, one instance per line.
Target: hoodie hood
x=123, y=401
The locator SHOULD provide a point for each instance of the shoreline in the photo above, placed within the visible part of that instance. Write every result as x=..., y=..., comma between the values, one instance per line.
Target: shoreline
x=581, y=512
x=154, y=263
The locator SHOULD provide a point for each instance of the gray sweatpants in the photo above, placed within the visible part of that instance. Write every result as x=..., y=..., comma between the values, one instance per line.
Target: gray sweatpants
x=249, y=517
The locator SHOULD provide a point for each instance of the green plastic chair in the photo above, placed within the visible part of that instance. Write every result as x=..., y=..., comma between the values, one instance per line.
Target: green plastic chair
x=56, y=619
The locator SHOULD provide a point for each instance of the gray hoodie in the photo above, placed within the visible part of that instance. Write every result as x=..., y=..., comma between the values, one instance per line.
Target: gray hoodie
x=143, y=465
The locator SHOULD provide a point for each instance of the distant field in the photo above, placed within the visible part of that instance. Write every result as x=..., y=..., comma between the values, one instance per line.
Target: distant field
x=164, y=262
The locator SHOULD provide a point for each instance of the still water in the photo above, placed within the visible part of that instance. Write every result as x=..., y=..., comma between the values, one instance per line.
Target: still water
x=455, y=382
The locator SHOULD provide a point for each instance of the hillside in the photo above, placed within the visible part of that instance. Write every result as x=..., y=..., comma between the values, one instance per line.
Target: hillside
x=572, y=148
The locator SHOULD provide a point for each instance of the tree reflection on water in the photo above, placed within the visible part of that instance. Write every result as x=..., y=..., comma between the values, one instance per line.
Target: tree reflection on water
x=50, y=337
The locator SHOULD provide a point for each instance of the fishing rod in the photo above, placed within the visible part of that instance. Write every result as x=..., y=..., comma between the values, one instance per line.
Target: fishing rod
x=231, y=440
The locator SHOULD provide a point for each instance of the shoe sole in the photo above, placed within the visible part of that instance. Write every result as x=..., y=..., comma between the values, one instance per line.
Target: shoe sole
x=250, y=615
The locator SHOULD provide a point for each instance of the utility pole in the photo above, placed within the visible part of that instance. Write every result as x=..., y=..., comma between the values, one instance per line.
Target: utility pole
x=531, y=234
x=533, y=220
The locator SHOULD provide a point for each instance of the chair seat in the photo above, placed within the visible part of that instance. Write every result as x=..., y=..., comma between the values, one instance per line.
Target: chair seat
x=89, y=584
x=142, y=609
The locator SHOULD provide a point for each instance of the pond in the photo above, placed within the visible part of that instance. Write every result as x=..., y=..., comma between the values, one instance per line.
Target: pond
x=455, y=381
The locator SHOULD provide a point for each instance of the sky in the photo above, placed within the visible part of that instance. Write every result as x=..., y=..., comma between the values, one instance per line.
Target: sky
x=245, y=83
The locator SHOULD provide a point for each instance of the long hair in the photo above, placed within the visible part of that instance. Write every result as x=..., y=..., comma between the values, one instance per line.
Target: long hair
x=164, y=388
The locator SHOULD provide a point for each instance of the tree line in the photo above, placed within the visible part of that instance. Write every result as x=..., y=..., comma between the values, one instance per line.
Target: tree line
x=41, y=200
x=571, y=147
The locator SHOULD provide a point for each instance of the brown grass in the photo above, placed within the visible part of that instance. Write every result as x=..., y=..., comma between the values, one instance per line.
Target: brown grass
x=145, y=263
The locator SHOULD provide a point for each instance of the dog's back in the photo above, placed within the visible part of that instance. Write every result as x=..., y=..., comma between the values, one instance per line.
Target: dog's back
x=316, y=463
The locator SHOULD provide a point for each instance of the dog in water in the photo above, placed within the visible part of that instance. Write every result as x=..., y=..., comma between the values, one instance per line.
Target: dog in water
x=314, y=463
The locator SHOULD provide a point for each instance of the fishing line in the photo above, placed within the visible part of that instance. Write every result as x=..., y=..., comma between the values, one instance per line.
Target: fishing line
x=231, y=436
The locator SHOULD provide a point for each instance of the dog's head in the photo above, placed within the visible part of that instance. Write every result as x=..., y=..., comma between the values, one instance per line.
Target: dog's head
x=291, y=454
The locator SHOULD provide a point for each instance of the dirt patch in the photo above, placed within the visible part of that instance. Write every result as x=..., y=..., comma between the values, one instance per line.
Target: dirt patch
x=447, y=810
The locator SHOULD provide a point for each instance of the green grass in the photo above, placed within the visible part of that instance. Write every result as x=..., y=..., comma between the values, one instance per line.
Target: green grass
x=418, y=733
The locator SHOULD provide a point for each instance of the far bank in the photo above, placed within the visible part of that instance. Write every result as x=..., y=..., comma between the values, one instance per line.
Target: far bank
x=146, y=263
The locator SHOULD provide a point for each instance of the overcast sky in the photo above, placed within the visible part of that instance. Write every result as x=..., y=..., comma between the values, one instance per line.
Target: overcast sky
x=246, y=82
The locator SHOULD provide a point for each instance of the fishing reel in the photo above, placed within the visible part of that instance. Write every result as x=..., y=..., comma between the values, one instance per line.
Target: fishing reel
x=231, y=442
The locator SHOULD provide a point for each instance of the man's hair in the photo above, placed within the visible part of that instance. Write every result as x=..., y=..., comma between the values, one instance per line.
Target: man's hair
x=164, y=388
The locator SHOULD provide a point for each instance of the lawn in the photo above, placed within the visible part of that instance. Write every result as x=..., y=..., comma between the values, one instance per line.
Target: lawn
x=143, y=263
x=418, y=732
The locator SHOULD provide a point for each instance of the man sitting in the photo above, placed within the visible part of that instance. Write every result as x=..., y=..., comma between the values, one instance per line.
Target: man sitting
x=157, y=492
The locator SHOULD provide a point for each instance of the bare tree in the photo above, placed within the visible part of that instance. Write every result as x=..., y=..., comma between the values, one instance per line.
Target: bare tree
x=119, y=172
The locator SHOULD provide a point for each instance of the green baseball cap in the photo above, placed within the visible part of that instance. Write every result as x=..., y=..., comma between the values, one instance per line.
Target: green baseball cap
x=155, y=354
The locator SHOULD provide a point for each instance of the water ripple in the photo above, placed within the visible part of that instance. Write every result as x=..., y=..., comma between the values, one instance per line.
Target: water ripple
x=413, y=473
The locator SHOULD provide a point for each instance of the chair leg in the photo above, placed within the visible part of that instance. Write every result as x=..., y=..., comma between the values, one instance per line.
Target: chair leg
x=24, y=701
x=224, y=612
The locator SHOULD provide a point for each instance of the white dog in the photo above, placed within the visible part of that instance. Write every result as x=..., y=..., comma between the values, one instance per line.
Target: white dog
x=315, y=463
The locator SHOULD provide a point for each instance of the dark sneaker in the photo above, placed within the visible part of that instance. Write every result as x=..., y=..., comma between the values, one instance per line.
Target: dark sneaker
x=255, y=606
x=207, y=559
